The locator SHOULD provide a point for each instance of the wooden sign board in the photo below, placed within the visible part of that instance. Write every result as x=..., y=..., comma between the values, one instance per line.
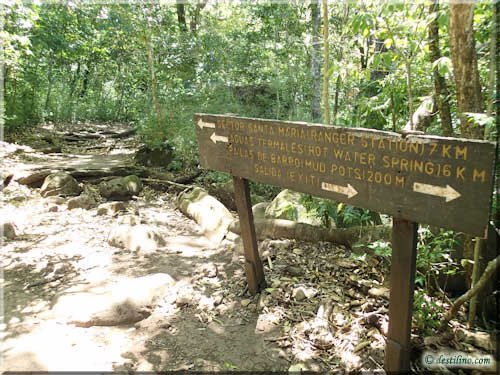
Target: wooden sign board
x=446, y=182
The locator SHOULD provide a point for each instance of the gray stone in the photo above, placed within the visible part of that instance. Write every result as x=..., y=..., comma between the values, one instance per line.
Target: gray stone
x=259, y=210
x=60, y=183
x=83, y=201
x=53, y=208
x=286, y=205
x=55, y=200
x=111, y=208
x=209, y=270
x=140, y=238
x=121, y=188
x=8, y=230
x=379, y=292
x=302, y=293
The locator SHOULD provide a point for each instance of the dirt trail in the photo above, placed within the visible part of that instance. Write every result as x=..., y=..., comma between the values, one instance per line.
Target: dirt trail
x=66, y=253
x=73, y=302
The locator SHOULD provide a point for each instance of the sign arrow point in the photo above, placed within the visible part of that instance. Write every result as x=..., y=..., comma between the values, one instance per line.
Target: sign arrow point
x=218, y=138
x=447, y=192
x=202, y=124
x=345, y=190
x=351, y=192
x=451, y=193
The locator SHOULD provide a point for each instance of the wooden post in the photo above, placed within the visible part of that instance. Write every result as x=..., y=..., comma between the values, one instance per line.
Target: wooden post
x=403, y=260
x=253, y=263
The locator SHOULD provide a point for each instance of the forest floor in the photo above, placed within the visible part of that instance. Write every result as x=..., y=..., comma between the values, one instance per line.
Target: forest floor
x=325, y=307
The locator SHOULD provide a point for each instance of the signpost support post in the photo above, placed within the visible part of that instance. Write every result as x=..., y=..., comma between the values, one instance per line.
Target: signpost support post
x=253, y=264
x=402, y=279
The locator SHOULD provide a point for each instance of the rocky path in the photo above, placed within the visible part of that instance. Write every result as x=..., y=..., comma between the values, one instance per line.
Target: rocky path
x=90, y=285
x=72, y=301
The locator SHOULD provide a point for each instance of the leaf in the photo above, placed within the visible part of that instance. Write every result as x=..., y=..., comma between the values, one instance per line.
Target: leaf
x=481, y=119
x=230, y=366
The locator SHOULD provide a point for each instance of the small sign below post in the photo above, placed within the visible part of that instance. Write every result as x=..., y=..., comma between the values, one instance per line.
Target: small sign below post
x=446, y=182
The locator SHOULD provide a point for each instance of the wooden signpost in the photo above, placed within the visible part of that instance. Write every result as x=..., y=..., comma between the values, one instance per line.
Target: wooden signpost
x=445, y=182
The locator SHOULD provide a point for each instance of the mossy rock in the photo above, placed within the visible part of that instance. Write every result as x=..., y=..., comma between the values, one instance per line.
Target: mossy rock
x=121, y=188
x=286, y=205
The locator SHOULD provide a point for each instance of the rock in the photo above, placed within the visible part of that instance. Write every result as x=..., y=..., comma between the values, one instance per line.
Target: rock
x=259, y=210
x=8, y=230
x=264, y=300
x=121, y=188
x=286, y=205
x=140, y=238
x=129, y=220
x=60, y=183
x=53, y=208
x=185, y=297
x=218, y=299
x=155, y=157
x=126, y=302
x=83, y=201
x=209, y=270
x=379, y=292
x=301, y=293
x=245, y=302
x=111, y=208
x=212, y=216
x=55, y=200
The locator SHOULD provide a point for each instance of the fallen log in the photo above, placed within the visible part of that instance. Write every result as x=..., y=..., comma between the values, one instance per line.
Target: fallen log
x=280, y=228
x=123, y=134
x=210, y=214
x=169, y=184
x=36, y=179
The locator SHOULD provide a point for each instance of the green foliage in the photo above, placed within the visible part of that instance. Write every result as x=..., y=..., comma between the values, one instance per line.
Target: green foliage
x=381, y=248
x=341, y=214
x=433, y=258
x=427, y=313
x=434, y=255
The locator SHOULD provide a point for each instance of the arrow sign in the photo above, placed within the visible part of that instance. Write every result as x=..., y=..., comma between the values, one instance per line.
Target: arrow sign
x=346, y=190
x=446, y=192
x=220, y=138
x=202, y=124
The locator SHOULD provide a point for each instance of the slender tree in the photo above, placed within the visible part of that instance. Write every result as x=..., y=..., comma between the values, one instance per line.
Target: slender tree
x=440, y=89
x=469, y=99
x=465, y=69
x=316, y=61
x=326, y=57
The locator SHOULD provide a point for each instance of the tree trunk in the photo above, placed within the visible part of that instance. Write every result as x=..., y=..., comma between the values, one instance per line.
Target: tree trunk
x=336, y=100
x=469, y=98
x=49, y=89
x=316, y=62
x=393, y=112
x=465, y=70
x=181, y=15
x=440, y=88
x=152, y=73
x=326, y=58
x=195, y=19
